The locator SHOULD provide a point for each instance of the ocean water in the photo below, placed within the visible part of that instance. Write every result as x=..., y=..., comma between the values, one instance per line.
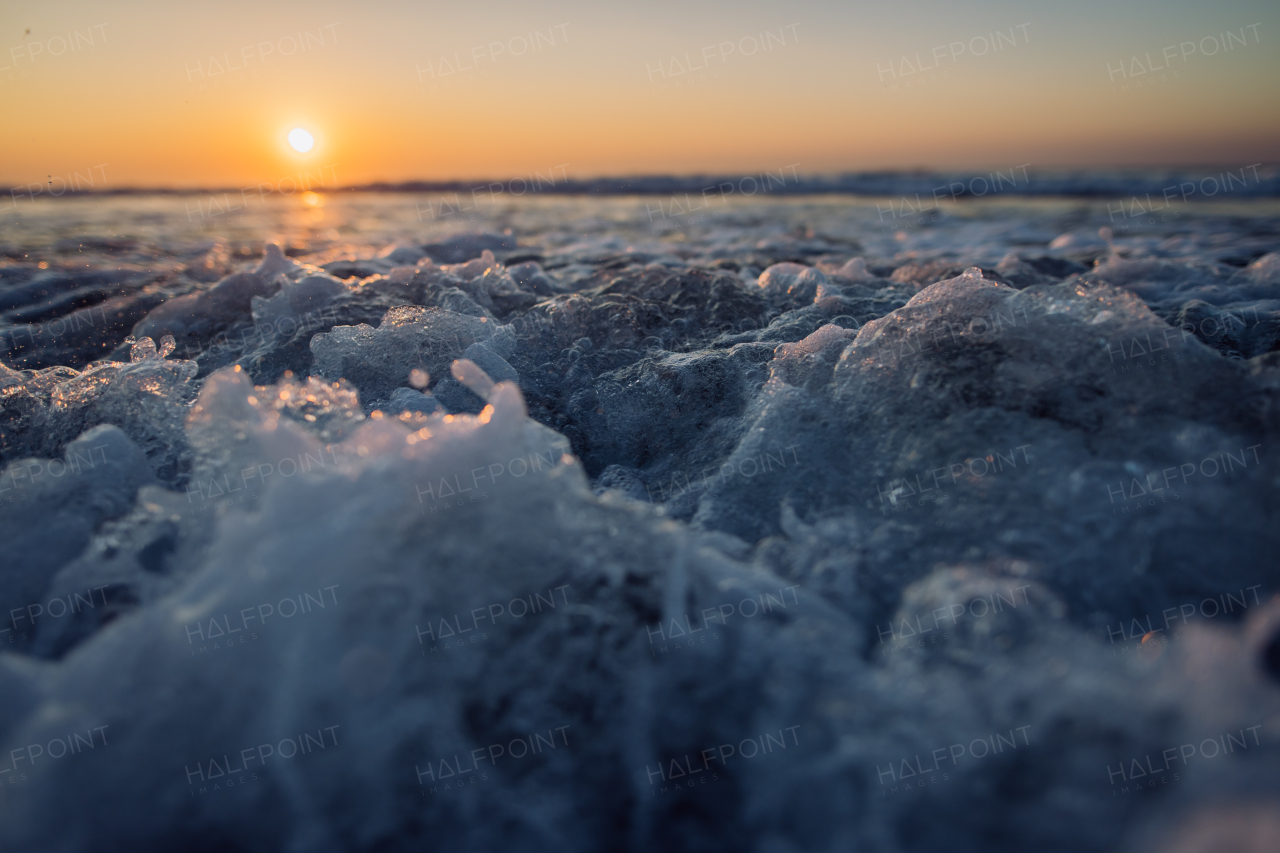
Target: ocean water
x=684, y=520
x=922, y=220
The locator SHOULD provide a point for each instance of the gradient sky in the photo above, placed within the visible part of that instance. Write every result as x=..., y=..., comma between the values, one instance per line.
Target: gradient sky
x=143, y=106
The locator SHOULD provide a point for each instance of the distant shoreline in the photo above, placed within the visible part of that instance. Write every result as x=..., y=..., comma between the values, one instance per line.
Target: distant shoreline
x=1248, y=181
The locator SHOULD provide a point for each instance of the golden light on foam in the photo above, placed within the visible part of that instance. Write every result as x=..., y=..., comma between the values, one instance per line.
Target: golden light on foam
x=1150, y=649
x=485, y=414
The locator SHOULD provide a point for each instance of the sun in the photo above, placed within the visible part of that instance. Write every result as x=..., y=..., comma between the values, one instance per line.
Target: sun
x=301, y=140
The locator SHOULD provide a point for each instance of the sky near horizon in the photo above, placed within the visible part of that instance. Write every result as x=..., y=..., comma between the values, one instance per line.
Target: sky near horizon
x=162, y=94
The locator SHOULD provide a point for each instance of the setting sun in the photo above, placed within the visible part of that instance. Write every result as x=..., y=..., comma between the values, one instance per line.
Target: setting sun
x=300, y=140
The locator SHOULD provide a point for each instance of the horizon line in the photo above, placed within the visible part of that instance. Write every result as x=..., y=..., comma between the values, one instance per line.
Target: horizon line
x=1073, y=181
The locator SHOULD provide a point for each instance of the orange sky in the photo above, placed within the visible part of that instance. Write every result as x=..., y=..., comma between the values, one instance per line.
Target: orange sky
x=161, y=94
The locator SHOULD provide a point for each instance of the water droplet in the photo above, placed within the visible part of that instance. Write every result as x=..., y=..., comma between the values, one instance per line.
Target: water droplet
x=143, y=349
